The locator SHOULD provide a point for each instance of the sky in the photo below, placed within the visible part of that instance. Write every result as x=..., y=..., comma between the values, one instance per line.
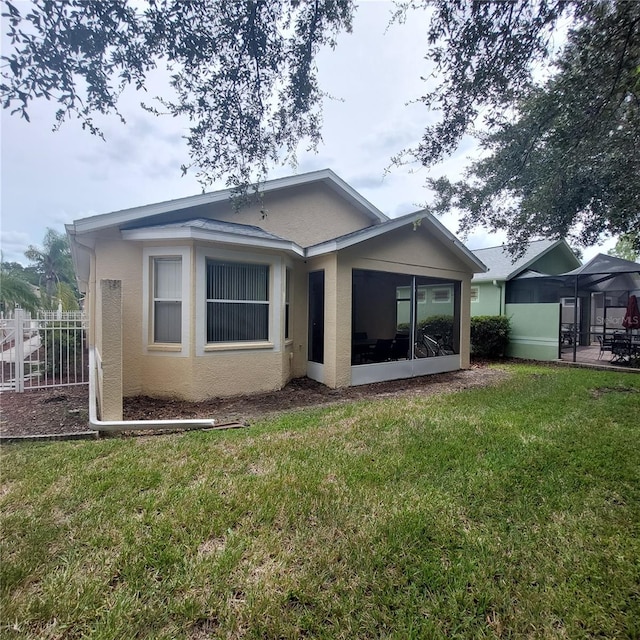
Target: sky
x=51, y=178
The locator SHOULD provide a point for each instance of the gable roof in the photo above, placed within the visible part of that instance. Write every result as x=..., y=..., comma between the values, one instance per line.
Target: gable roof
x=416, y=218
x=249, y=235
x=502, y=266
x=137, y=214
x=141, y=223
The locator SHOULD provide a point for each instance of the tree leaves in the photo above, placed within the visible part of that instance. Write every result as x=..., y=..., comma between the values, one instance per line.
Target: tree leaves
x=243, y=72
x=566, y=162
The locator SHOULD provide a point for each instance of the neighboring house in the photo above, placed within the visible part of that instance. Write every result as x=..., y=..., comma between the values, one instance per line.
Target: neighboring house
x=537, y=308
x=492, y=290
x=192, y=299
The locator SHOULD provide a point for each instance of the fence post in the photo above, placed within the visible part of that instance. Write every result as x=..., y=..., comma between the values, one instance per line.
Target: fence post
x=18, y=318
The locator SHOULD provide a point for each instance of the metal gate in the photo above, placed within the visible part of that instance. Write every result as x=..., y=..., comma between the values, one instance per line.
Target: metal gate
x=48, y=350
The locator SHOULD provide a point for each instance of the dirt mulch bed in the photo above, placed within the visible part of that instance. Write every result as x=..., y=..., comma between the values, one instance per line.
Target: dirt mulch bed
x=65, y=410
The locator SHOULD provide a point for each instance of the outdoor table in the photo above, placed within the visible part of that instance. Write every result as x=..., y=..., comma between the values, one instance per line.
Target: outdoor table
x=626, y=349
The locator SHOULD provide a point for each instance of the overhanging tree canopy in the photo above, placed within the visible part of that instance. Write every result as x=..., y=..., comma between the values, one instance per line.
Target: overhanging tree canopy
x=244, y=74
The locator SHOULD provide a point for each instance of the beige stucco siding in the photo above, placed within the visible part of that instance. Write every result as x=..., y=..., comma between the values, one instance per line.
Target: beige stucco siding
x=116, y=260
x=307, y=214
x=299, y=319
x=151, y=371
x=217, y=374
x=333, y=313
x=407, y=250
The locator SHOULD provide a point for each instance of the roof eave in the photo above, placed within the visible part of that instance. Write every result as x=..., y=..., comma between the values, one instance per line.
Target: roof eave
x=372, y=232
x=125, y=216
x=189, y=233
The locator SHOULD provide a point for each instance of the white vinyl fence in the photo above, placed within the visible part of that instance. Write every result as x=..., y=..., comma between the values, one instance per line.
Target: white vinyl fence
x=48, y=350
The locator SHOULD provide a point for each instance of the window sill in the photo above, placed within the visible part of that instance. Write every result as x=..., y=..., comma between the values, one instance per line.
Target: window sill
x=168, y=348
x=235, y=346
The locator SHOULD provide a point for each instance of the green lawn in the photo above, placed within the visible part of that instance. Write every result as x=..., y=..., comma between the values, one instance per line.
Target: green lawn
x=511, y=511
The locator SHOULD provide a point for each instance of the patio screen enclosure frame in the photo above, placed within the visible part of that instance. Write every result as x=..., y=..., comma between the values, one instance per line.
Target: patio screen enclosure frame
x=400, y=320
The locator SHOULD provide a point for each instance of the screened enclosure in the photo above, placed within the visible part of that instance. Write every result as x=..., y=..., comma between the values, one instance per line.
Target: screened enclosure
x=398, y=317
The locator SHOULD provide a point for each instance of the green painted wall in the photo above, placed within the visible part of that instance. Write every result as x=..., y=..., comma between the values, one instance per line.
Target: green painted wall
x=556, y=261
x=534, y=331
x=488, y=303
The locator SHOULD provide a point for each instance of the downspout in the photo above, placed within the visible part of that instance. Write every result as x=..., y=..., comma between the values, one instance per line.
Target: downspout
x=500, y=292
x=126, y=425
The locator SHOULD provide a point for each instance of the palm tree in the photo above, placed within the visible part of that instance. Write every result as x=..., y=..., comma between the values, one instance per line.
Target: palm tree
x=15, y=291
x=54, y=265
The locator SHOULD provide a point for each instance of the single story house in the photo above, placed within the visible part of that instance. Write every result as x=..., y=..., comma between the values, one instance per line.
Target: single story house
x=192, y=298
x=501, y=283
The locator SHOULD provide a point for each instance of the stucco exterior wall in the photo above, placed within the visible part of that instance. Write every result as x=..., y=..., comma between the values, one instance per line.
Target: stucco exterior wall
x=334, y=314
x=110, y=374
x=558, y=260
x=534, y=331
x=116, y=260
x=194, y=372
x=158, y=373
x=490, y=299
x=307, y=214
x=299, y=308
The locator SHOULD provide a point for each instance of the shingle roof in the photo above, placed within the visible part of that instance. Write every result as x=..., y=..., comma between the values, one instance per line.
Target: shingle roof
x=232, y=233
x=136, y=214
x=501, y=265
x=216, y=226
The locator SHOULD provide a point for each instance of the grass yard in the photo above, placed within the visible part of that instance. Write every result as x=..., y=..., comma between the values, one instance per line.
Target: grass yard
x=511, y=511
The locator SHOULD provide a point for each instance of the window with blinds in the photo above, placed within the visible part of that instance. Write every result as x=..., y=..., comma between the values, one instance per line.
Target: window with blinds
x=237, y=298
x=167, y=300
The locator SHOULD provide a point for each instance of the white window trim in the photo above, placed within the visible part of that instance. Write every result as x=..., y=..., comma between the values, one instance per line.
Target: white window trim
x=477, y=296
x=180, y=349
x=433, y=295
x=276, y=300
x=288, y=265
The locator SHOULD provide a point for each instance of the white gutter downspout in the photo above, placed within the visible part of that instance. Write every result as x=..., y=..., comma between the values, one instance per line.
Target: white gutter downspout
x=131, y=425
x=125, y=425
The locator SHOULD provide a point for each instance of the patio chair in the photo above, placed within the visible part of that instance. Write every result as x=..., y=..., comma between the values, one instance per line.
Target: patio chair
x=381, y=351
x=400, y=347
x=605, y=343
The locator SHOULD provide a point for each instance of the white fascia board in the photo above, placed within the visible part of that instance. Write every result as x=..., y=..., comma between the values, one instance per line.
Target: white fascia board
x=125, y=216
x=418, y=217
x=479, y=266
x=117, y=218
x=209, y=236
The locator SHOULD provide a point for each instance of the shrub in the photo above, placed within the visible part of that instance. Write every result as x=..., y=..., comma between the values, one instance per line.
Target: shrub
x=62, y=349
x=489, y=336
x=440, y=328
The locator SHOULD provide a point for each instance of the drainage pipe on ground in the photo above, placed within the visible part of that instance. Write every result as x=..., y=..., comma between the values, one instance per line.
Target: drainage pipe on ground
x=134, y=425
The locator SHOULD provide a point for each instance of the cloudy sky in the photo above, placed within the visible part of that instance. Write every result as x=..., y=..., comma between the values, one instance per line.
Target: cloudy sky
x=51, y=178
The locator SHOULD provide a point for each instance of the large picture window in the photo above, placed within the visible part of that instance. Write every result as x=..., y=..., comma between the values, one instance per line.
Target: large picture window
x=167, y=300
x=237, y=297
